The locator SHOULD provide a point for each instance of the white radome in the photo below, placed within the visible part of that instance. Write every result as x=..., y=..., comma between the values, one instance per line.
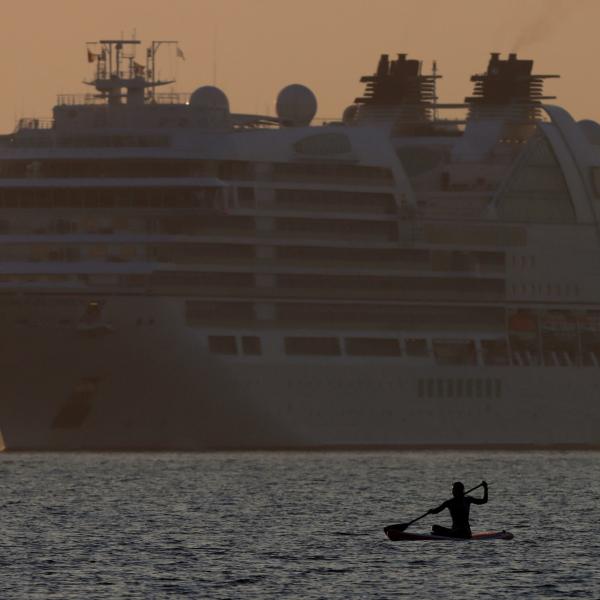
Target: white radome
x=209, y=97
x=296, y=105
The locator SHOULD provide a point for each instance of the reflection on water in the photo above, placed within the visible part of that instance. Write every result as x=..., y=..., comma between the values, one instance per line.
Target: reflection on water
x=293, y=525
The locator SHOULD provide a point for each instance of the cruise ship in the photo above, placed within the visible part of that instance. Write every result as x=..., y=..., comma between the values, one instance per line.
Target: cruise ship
x=176, y=276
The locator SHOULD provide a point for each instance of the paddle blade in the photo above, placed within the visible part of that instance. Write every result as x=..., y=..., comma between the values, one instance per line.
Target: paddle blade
x=392, y=530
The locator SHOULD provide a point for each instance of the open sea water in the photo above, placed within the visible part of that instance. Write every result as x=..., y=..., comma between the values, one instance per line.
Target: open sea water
x=294, y=525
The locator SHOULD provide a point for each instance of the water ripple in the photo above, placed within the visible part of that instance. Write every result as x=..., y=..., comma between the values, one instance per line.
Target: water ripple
x=293, y=525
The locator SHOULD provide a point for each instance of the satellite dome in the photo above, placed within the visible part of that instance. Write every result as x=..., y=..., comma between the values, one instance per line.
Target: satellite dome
x=296, y=105
x=209, y=97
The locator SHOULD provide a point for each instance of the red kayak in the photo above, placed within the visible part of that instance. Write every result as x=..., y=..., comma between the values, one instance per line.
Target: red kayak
x=405, y=536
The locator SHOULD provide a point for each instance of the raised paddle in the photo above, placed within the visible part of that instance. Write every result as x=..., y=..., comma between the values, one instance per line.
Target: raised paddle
x=403, y=526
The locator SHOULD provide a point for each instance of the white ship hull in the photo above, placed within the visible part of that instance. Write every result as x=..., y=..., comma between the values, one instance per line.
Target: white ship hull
x=174, y=275
x=151, y=383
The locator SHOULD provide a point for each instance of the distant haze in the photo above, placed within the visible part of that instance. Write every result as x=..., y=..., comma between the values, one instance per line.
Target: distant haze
x=255, y=47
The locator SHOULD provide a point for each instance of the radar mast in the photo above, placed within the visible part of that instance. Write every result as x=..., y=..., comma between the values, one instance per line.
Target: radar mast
x=119, y=76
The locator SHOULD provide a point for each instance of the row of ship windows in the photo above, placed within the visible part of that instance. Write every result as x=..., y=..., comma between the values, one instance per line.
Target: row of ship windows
x=206, y=198
x=409, y=259
x=199, y=198
x=214, y=223
x=319, y=346
x=459, y=388
x=350, y=346
x=539, y=290
x=168, y=225
x=87, y=141
x=414, y=287
x=45, y=322
x=318, y=314
x=445, y=352
x=227, y=170
x=208, y=282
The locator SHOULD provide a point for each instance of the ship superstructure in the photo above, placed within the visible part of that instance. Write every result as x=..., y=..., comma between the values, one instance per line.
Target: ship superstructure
x=174, y=275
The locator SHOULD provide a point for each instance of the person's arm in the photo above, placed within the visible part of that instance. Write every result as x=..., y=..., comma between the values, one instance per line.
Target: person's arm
x=439, y=509
x=485, y=495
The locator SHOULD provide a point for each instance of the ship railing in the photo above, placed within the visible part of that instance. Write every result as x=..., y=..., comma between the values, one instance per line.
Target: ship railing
x=171, y=98
x=99, y=99
x=78, y=99
x=34, y=124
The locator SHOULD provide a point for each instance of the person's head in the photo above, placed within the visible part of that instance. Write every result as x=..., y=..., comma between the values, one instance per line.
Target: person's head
x=458, y=489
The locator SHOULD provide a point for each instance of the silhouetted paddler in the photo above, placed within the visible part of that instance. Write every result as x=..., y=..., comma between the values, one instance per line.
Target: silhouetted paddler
x=459, y=507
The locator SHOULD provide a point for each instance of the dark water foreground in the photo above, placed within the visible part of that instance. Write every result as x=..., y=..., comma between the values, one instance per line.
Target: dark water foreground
x=293, y=525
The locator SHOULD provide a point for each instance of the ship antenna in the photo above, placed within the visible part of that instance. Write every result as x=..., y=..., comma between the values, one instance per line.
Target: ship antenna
x=151, y=63
x=434, y=71
x=215, y=56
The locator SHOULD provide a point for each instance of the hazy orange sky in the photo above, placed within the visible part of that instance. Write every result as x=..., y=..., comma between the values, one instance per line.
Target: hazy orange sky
x=262, y=45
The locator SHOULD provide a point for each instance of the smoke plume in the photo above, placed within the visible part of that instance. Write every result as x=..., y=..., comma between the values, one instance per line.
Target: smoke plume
x=550, y=16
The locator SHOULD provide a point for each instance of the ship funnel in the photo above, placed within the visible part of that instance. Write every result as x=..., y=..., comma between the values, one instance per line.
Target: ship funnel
x=508, y=83
x=399, y=89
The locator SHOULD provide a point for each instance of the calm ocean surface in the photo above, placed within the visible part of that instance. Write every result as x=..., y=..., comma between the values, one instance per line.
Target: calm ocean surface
x=294, y=525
